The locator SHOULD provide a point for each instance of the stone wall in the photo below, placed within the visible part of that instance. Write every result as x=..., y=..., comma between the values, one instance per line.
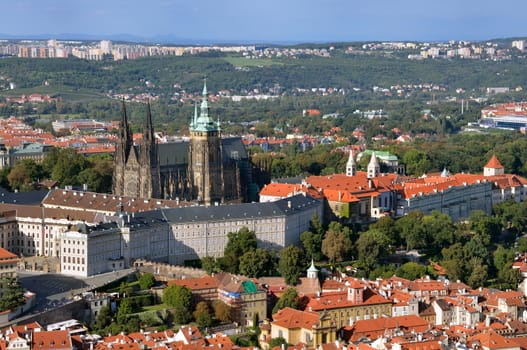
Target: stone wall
x=165, y=272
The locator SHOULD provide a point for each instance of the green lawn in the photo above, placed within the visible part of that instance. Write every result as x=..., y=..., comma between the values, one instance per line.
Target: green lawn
x=156, y=307
x=67, y=93
x=247, y=62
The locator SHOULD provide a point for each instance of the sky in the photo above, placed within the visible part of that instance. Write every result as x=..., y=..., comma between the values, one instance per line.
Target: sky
x=258, y=21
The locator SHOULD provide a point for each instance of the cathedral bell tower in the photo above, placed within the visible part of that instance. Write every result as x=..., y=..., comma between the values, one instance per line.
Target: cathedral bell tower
x=205, y=158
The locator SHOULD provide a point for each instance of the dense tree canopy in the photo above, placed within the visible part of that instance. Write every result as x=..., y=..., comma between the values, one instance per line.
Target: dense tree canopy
x=291, y=264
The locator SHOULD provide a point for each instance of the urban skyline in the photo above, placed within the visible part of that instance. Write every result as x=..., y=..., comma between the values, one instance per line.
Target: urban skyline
x=293, y=21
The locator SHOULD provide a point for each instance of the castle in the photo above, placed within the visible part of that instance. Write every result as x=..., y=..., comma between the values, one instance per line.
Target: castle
x=207, y=169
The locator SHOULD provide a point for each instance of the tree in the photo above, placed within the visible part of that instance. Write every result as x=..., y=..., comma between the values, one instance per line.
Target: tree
x=416, y=161
x=484, y=227
x=123, y=311
x=177, y=296
x=291, y=264
x=210, y=265
x=202, y=315
x=453, y=261
x=312, y=243
x=256, y=263
x=502, y=256
x=288, y=299
x=411, y=270
x=478, y=272
x=103, y=319
x=64, y=165
x=386, y=225
x=182, y=315
x=336, y=244
x=440, y=229
x=13, y=294
x=25, y=175
x=238, y=244
x=371, y=246
x=146, y=281
x=125, y=289
x=222, y=311
x=508, y=277
x=411, y=229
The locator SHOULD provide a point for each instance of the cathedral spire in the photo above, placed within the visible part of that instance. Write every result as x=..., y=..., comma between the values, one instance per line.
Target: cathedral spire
x=125, y=135
x=148, y=121
x=204, y=122
x=204, y=103
x=195, y=120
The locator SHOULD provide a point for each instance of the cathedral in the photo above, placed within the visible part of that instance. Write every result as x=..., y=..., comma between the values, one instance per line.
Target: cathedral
x=207, y=169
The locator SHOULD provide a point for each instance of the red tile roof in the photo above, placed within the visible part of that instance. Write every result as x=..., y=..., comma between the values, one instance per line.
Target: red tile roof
x=494, y=163
x=51, y=340
x=375, y=328
x=291, y=319
x=205, y=282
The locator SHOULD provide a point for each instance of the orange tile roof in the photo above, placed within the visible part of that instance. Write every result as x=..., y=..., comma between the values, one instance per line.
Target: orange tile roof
x=281, y=190
x=290, y=318
x=205, y=282
x=511, y=298
x=375, y=328
x=338, y=300
x=492, y=340
x=494, y=163
x=7, y=256
x=51, y=340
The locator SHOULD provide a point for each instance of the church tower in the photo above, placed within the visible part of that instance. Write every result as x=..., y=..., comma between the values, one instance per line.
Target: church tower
x=205, y=156
x=123, y=146
x=136, y=169
x=351, y=165
x=148, y=158
x=374, y=168
x=493, y=167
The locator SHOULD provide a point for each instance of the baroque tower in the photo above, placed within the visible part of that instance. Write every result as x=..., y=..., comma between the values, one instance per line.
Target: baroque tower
x=205, y=156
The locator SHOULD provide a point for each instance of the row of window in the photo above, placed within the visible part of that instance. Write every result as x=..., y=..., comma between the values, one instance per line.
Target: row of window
x=71, y=260
x=73, y=268
x=70, y=250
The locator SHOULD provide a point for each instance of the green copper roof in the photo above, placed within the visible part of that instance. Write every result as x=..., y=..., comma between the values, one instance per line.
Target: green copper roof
x=382, y=155
x=249, y=287
x=203, y=122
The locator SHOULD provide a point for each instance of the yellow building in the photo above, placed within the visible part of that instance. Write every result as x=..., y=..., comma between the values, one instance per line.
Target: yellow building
x=311, y=328
x=358, y=302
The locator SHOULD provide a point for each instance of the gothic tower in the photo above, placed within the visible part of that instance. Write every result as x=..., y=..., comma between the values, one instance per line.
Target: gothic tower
x=123, y=146
x=136, y=169
x=149, y=174
x=205, y=156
